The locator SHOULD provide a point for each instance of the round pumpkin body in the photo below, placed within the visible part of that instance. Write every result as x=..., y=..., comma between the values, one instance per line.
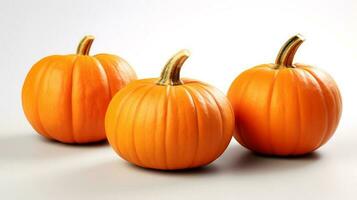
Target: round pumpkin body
x=65, y=97
x=284, y=109
x=169, y=126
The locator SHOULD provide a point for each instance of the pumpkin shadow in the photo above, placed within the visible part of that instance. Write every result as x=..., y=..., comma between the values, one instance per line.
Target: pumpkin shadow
x=247, y=162
x=197, y=171
x=115, y=176
x=32, y=147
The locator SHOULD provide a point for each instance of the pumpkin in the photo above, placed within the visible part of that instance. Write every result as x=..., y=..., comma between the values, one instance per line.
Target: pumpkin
x=285, y=109
x=169, y=123
x=65, y=97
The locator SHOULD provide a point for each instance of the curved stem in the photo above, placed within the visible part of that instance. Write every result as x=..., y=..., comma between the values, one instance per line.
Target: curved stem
x=170, y=75
x=85, y=44
x=287, y=52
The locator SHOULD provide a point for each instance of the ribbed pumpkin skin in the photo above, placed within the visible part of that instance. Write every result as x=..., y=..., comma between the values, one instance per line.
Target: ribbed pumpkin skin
x=169, y=127
x=286, y=111
x=65, y=97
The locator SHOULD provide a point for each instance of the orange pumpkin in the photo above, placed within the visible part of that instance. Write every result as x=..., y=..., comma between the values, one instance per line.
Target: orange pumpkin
x=284, y=108
x=169, y=123
x=65, y=97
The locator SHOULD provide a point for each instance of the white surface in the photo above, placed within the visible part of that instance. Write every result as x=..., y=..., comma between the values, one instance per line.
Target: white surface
x=225, y=38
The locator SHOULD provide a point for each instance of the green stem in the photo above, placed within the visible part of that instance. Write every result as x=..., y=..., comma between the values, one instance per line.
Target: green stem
x=287, y=52
x=85, y=44
x=170, y=75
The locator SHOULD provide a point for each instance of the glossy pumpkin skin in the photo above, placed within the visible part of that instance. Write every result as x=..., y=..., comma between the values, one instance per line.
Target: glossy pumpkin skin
x=65, y=97
x=169, y=127
x=283, y=110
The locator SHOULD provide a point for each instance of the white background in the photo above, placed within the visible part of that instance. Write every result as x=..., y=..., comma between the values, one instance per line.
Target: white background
x=225, y=38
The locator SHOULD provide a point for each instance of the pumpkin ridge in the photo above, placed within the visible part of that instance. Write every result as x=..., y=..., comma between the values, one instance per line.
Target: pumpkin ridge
x=71, y=101
x=74, y=134
x=133, y=123
x=239, y=102
x=192, y=99
x=293, y=152
x=101, y=64
x=108, y=60
x=336, y=96
x=302, y=124
x=39, y=123
x=126, y=154
x=168, y=88
x=124, y=69
x=205, y=88
x=152, y=159
x=337, y=99
x=323, y=97
x=117, y=114
x=39, y=91
x=172, y=111
x=283, y=117
x=270, y=96
x=155, y=133
x=130, y=149
x=40, y=128
x=322, y=90
x=192, y=102
x=307, y=82
x=187, y=115
x=312, y=80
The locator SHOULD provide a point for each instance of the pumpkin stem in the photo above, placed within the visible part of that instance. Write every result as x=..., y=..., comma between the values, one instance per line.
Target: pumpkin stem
x=85, y=44
x=170, y=75
x=287, y=52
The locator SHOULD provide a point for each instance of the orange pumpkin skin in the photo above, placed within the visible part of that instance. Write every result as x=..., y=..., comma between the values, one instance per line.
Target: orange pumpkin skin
x=169, y=127
x=65, y=97
x=285, y=110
